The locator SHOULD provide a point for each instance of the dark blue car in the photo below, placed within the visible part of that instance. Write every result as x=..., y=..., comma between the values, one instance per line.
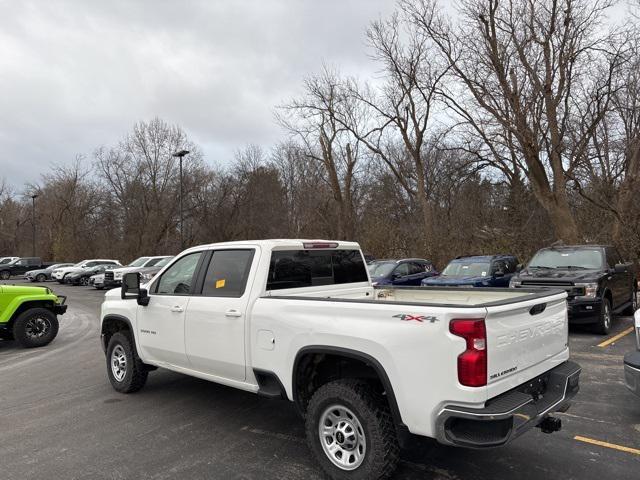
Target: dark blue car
x=476, y=271
x=405, y=272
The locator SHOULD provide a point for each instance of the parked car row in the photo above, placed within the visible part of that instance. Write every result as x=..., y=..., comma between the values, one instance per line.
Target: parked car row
x=598, y=282
x=98, y=273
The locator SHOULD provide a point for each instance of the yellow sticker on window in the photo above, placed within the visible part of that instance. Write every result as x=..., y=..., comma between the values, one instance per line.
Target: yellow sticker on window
x=220, y=283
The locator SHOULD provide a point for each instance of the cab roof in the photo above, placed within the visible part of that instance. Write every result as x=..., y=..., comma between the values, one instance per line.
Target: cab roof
x=283, y=243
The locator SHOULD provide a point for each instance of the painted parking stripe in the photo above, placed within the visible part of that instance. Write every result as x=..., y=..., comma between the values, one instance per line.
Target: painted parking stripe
x=617, y=337
x=607, y=445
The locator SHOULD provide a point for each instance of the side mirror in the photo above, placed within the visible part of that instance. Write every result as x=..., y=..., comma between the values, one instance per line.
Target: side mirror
x=620, y=268
x=396, y=276
x=499, y=274
x=131, y=289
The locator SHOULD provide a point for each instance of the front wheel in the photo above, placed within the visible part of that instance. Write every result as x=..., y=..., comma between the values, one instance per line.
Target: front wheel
x=603, y=327
x=351, y=432
x=4, y=275
x=41, y=278
x=84, y=281
x=35, y=327
x=126, y=371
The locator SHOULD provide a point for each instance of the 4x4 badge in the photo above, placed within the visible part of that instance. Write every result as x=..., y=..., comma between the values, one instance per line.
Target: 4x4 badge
x=418, y=318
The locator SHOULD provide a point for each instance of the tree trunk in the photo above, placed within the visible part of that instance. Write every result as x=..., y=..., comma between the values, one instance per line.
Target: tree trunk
x=626, y=194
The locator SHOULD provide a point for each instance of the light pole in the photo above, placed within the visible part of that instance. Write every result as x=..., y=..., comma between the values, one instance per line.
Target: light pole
x=181, y=154
x=33, y=224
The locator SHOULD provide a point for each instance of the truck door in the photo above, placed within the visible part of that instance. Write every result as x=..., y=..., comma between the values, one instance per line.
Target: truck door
x=216, y=319
x=161, y=324
x=615, y=281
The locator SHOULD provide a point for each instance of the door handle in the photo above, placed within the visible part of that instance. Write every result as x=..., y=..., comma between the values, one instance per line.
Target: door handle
x=177, y=309
x=232, y=312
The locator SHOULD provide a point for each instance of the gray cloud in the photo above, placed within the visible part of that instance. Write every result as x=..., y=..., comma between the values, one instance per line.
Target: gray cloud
x=75, y=74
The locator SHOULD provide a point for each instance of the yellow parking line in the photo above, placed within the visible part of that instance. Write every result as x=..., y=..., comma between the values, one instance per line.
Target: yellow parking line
x=609, y=341
x=607, y=445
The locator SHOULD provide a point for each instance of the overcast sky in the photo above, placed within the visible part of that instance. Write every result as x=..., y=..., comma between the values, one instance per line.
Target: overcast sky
x=78, y=74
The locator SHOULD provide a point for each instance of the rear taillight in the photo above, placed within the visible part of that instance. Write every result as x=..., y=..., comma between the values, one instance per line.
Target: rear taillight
x=472, y=363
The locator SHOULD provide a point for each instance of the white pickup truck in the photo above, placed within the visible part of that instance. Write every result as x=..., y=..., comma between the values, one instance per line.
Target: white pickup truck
x=299, y=320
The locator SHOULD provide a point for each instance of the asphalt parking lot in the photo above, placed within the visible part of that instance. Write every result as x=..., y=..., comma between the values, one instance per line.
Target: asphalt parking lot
x=60, y=419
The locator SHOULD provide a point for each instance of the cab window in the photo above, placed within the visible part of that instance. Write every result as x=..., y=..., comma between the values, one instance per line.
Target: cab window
x=178, y=279
x=312, y=268
x=227, y=273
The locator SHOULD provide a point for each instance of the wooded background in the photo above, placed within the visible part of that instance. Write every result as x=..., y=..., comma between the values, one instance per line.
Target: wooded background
x=503, y=129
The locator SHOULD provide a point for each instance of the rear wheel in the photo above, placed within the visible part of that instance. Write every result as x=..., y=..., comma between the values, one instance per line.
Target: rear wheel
x=35, y=327
x=603, y=327
x=127, y=373
x=351, y=432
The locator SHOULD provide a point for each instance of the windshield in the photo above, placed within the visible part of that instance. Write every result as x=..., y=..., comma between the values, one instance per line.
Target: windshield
x=563, y=258
x=154, y=261
x=381, y=269
x=163, y=261
x=467, y=269
x=138, y=262
x=59, y=265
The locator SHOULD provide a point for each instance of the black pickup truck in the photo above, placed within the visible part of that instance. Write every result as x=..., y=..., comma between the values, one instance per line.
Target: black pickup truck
x=598, y=282
x=21, y=266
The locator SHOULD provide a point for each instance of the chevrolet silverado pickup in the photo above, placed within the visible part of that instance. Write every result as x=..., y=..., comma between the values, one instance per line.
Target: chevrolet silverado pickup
x=299, y=320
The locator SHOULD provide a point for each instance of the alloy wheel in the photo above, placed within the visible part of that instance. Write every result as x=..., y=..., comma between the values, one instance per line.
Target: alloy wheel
x=37, y=327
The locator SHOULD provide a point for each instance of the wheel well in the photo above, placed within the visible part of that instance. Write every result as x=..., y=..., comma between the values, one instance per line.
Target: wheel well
x=111, y=325
x=48, y=304
x=313, y=369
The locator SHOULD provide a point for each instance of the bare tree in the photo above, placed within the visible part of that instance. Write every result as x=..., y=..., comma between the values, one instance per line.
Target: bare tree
x=395, y=121
x=314, y=121
x=542, y=70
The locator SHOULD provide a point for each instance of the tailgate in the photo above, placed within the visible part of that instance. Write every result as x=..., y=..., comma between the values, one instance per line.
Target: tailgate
x=525, y=339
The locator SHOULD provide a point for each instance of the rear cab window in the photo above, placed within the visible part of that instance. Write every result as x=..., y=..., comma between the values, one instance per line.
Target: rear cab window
x=313, y=268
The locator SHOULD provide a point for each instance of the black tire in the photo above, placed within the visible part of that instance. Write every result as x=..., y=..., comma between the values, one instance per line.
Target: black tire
x=372, y=414
x=41, y=278
x=135, y=371
x=5, y=275
x=35, y=327
x=84, y=281
x=631, y=309
x=603, y=327
x=99, y=288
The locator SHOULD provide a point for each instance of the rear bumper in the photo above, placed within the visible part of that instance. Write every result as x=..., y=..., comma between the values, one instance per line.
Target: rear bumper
x=509, y=415
x=632, y=371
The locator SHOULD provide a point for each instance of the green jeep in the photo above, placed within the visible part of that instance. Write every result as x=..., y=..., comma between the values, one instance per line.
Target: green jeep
x=29, y=314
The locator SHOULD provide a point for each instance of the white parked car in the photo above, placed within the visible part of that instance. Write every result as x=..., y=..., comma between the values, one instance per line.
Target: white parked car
x=299, y=320
x=59, y=273
x=114, y=278
x=4, y=260
x=632, y=360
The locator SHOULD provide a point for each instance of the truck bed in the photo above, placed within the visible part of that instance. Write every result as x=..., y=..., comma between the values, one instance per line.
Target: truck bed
x=459, y=296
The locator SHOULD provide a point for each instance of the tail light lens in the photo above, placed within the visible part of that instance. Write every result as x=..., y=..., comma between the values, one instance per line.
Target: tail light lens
x=472, y=363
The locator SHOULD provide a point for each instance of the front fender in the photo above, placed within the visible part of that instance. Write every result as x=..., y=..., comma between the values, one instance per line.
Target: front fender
x=7, y=314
